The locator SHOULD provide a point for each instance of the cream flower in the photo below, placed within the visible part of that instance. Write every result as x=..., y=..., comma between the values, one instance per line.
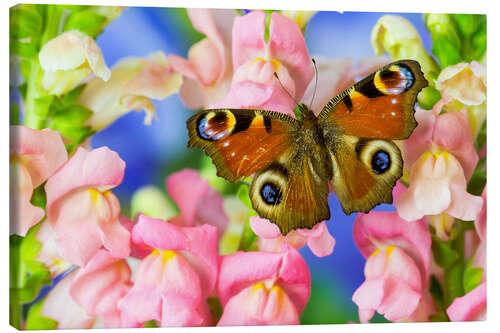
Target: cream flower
x=134, y=81
x=68, y=59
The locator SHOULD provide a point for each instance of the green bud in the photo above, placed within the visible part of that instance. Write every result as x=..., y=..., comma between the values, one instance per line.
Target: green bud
x=151, y=201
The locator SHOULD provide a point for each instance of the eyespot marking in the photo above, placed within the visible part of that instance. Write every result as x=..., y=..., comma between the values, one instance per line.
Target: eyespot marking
x=271, y=194
x=215, y=125
x=381, y=162
x=394, y=80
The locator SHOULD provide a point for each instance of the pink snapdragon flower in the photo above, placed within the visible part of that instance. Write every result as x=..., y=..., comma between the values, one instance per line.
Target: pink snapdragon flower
x=397, y=267
x=470, y=307
x=81, y=208
x=207, y=71
x=318, y=239
x=100, y=285
x=442, y=157
x=172, y=283
x=262, y=288
x=255, y=61
x=34, y=156
x=198, y=202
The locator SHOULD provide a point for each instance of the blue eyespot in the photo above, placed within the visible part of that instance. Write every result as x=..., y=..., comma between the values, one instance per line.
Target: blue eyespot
x=381, y=162
x=270, y=193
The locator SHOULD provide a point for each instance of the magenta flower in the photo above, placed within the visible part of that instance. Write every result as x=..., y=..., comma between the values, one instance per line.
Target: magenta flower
x=318, y=239
x=198, y=202
x=442, y=157
x=397, y=267
x=81, y=208
x=100, y=285
x=262, y=288
x=172, y=283
x=470, y=307
x=207, y=71
x=34, y=156
x=255, y=61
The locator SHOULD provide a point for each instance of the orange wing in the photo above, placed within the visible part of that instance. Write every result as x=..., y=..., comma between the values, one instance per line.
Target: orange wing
x=381, y=106
x=240, y=142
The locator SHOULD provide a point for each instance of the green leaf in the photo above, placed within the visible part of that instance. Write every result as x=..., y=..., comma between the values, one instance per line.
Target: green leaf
x=481, y=137
x=472, y=278
x=72, y=96
x=23, y=49
x=453, y=282
x=23, y=89
x=42, y=105
x=215, y=307
x=478, y=180
x=150, y=324
x=468, y=24
x=248, y=238
x=24, y=22
x=39, y=198
x=244, y=195
x=71, y=115
x=436, y=292
x=297, y=112
x=478, y=44
x=25, y=67
x=35, y=321
x=14, y=114
x=88, y=22
x=443, y=254
x=446, y=50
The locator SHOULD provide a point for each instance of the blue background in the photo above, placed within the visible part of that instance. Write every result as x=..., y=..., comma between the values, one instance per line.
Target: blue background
x=153, y=152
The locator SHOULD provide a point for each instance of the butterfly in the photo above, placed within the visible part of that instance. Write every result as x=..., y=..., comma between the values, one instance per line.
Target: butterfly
x=349, y=145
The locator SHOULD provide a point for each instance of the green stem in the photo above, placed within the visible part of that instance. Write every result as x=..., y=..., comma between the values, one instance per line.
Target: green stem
x=453, y=275
x=53, y=16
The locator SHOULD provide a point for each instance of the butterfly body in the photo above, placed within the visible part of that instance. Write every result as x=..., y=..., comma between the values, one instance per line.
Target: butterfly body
x=293, y=161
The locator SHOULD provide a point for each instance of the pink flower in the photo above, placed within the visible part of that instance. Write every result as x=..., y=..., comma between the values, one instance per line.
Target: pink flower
x=465, y=82
x=318, y=238
x=397, y=267
x=173, y=282
x=34, y=156
x=480, y=222
x=207, y=71
x=335, y=75
x=442, y=132
x=438, y=184
x=255, y=61
x=262, y=288
x=198, y=202
x=470, y=307
x=81, y=208
x=60, y=306
x=100, y=285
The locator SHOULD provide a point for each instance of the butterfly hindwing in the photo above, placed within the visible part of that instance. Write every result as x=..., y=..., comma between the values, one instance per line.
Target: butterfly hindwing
x=358, y=125
x=240, y=142
x=292, y=193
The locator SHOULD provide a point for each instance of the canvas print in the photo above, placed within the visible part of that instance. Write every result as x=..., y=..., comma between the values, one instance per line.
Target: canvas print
x=227, y=167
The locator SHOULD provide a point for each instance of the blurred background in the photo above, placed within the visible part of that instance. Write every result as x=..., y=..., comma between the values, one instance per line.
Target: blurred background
x=153, y=152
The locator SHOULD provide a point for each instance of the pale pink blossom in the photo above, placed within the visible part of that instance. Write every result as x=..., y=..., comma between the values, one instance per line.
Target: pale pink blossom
x=397, y=267
x=480, y=222
x=207, y=71
x=172, y=283
x=133, y=83
x=48, y=253
x=465, y=82
x=255, y=61
x=442, y=132
x=470, y=307
x=100, y=285
x=60, y=306
x=198, y=202
x=263, y=288
x=437, y=185
x=34, y=156
x=81, y=208
x=318, y=239
x=68, y=59
x=335, y=75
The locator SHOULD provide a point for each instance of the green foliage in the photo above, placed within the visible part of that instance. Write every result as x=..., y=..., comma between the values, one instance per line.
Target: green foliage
x=297, y=112
x=215, y=307
x=39, y=198
x=248, y=238
x=244, y=195
x=442, y=252
x=25, y=24
x=35, y=320
x=472, y=276
x=86, y=21
x=481, y=137
x=457, y=38
x=14, y=114
x=478, y=180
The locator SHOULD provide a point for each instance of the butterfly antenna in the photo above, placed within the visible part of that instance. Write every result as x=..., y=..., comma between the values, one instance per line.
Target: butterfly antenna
x=283, y=87
x=315, y=82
